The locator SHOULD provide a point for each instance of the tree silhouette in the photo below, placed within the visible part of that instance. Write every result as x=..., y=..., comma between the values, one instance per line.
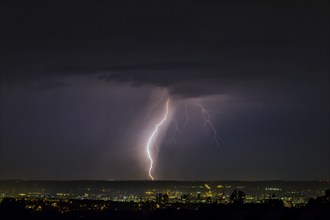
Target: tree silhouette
x=10, y=208
x=321, y=200
x=237, y=197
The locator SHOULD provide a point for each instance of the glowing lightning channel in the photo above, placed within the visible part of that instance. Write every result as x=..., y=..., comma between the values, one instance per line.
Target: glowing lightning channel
x=207, y=119
x=151, y=138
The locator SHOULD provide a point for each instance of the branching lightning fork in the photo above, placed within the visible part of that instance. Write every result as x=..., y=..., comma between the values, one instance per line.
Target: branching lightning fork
x=207, y=121
x=159, y=101
x=152, y=143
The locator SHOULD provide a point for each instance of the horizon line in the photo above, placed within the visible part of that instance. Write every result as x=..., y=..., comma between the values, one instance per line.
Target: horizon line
x=162, y=180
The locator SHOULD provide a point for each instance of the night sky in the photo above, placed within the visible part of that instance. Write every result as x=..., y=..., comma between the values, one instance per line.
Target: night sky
x=83, y=84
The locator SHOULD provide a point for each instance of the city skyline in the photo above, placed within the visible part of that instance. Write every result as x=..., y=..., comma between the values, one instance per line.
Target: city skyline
x=171, y=90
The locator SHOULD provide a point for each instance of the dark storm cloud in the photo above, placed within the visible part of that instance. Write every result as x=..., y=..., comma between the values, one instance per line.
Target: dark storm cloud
x=178, y=45
x=48, y=84
x=60, y=62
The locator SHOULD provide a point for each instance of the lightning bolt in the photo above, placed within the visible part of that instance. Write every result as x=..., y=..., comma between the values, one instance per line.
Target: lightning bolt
x=152, y=137
x=207, y=121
